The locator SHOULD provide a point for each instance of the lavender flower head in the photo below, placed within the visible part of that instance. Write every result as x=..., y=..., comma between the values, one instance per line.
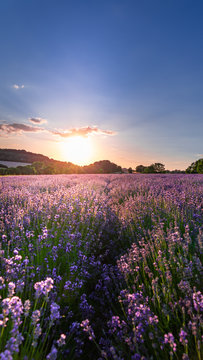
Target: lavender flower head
x=26, y=307
x=55, y=314
x=183, y=337
x=35, y=317
x=169, y=339
x=87, y=328
x=53, y=354
x=43, y=287
x=6, y=355
x=62, y=340
x=198, y=301
x=11, y=289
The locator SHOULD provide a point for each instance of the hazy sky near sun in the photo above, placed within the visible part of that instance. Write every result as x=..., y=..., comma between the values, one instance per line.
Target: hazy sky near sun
x=127, y=75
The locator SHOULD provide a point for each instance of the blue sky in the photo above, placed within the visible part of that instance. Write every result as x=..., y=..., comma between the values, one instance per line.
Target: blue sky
x=128, y=75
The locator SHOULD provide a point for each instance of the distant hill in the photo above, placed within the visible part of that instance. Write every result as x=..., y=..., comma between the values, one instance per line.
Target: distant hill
x=41, y=164
x=21, y=156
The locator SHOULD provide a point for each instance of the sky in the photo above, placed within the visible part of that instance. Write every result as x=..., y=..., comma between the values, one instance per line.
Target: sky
x=91, y=80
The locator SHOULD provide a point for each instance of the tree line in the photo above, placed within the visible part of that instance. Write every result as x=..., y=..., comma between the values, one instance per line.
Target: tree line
x=158, y=168
x=41, y=164
x=58, y=167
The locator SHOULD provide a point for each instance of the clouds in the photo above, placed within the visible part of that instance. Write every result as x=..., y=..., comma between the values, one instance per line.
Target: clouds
x=83, y=131
x=38, y=121
x=17, y=128
x=18, y=87
x=20, y=128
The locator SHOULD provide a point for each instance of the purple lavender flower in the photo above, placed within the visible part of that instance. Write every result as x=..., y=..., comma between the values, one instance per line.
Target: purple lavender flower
x=62, y=340
x=6, y=355
x=198, y=301
x=11, y=289
x=85, y=324
x=26, y=307
x=2, y=285
x=55, y=314
x=183, y=337
x=53, y=354
x=43, y=287
x=35, y=317
x=169, y=339
x=36, y=335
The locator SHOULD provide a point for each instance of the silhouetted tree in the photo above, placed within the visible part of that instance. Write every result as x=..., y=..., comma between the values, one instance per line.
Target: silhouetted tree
x=159, y=168
x=140, y=168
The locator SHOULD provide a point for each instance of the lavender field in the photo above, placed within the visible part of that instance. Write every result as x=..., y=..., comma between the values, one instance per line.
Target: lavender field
x=101, y=267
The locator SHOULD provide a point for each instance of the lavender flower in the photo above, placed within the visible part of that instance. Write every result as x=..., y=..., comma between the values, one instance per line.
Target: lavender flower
x=35, y=317
x=2, y=285
x=53, y=354
x=198, y=301
x=6, y=355
x=183, y=337
x=169, y=339
x=55, y=314
x=36, y=335
x=11, y=289
x=62, y=340
x=26, y=307
x=85, y=324
x=43, y=287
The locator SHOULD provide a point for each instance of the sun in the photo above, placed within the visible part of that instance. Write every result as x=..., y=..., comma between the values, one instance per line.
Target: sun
x=77, y=149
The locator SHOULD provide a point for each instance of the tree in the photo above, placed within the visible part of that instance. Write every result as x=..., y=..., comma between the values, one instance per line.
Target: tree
x=150, y=169
x=196, y=167
x=130, y=170
x=159, y=168
x=200, y=166
x=140, y=168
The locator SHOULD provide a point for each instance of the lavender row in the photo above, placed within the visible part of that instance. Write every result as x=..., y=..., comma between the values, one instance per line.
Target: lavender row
x=103, y=267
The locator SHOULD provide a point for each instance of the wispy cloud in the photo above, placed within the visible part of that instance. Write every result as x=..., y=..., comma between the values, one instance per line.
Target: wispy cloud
x=17, y=128
x=83, y=131
x=7, y=129
x=17, y=87
x=38, y=121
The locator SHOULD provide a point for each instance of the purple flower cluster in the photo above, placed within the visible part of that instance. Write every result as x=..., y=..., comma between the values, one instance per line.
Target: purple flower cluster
x=169, y=339
x=55, y=314
x=121, y=253
x=139, y=320
x=43, y=287
x=198, y=301
x=85, y=325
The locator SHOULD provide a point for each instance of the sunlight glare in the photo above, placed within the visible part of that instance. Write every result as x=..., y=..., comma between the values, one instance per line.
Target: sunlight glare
x=77, y=149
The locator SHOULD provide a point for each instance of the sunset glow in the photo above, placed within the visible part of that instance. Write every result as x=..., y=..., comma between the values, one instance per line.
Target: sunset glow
x=77, y=149
x=96, y=80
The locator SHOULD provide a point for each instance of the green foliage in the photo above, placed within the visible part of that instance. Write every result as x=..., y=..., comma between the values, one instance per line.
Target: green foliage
x=140, y=168
x=196, y=167
x=59, y=167
x=103, y=166
x=159, y=168
x=149, y=169
x=156, y=168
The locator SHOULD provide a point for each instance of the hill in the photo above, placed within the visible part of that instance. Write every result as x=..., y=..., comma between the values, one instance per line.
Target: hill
x=21, y=156
x=41, y=164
